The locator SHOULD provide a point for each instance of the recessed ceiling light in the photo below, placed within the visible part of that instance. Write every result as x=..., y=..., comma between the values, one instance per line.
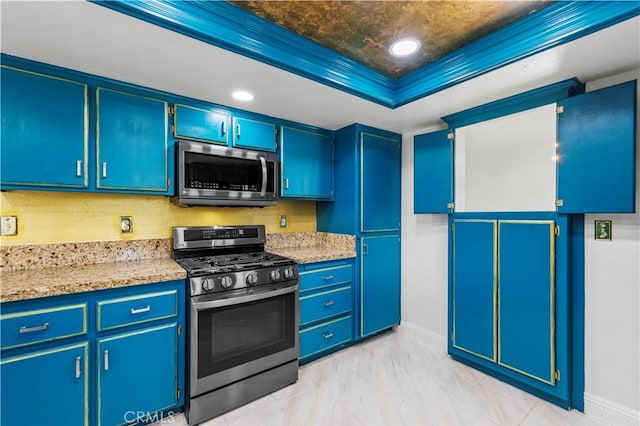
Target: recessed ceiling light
x=404, y=47
x=242, y=95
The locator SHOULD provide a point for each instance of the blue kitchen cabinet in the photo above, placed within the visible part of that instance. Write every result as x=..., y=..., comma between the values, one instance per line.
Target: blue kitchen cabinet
x=526, y=332
x=48, y=387
x=380, y=283
x=137, y=373
x=44, y=131
x=597, y=151
x=254, y=134
x=306, y=161
x=380, y=183
x=206, y=125
x=132, y=150
x=474, y=284
x=433, y=172
x=326, y=307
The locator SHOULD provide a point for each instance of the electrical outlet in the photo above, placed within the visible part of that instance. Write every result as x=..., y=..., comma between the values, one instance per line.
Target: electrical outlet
x=126, y=224
x=283, y=221
x=9, y=225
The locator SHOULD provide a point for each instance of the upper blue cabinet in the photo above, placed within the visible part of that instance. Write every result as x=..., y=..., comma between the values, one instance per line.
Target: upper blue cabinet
x=306, y=161
x=44, y=131
x=207, y=125
x=433, y=172
x=254, y=134
x=132, y=152
x=597, y=151
x=574, y=156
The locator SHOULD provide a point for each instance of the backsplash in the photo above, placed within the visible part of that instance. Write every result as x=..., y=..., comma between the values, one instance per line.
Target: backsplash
x=46, y=217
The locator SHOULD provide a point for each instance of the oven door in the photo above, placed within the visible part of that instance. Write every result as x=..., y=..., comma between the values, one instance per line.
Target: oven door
x=233, y=338
x=216, y=175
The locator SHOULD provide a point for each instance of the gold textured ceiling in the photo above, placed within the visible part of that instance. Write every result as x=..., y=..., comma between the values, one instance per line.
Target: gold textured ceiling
x=363, y=30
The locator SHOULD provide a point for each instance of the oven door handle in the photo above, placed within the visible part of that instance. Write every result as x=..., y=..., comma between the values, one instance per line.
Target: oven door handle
x=263, y=161
x=199, y=306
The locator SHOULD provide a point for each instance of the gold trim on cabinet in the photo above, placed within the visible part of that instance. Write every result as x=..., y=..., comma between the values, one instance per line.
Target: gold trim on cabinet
x=131, y=298
x=226, y=124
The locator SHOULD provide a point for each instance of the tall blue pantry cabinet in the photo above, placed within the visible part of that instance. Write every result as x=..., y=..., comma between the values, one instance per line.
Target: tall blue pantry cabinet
x=516, y=276
x=367, y=205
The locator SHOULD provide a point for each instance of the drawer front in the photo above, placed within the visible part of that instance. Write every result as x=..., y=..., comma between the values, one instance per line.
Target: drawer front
x=31, y=327
x=324, y=336
x=325, y=277
x=325, y=305
x=125, y=311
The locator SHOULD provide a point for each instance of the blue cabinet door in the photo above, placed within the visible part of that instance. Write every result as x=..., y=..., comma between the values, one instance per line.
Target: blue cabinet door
x=433, y=172
x=131, y=142
x=47, y=388
x=137, y=374
x=380, y=183
x=380, y=283
x=200, y=124
x=474, y=284
x=527, y=296
x=254, y=134
x=597, y=151
x=44, y=130
x=307, y=164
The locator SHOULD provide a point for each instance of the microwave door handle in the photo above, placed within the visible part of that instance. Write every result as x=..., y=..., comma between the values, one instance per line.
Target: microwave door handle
x=264, y=176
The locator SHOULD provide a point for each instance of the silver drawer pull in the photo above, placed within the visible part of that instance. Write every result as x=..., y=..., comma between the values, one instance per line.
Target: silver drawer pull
x=104, y=169
x=79, y=168
x=328, y=303
x=106, y=360
x=328, y=335
x=42, y=327
x=224, y=127
x=141, y=310
x=327, y=277
x=78, y=371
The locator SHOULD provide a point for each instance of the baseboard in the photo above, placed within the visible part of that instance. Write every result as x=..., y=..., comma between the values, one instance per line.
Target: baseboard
x=609, y=412
x=434, y=338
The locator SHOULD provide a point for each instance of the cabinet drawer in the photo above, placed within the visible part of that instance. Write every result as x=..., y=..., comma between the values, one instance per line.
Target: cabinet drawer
x=324, y=336
x=136, y=309
x=325, y=305
x=325, y=277
x=28, y=328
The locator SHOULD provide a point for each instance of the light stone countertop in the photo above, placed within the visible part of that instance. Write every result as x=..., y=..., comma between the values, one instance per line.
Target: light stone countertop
x=310, y=247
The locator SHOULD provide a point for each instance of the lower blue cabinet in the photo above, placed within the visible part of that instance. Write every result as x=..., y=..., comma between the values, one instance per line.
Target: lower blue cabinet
x=47, y=387
x=88, y=375
x=137, y=374
x=326, y=305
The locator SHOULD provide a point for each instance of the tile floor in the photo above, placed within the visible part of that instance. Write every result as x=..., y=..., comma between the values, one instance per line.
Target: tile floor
x=398, y=378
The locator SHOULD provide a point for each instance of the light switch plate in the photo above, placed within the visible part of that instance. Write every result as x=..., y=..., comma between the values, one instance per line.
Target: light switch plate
x=9, y=225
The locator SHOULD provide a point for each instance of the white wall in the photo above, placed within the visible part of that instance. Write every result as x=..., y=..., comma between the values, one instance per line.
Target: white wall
x=612, y=287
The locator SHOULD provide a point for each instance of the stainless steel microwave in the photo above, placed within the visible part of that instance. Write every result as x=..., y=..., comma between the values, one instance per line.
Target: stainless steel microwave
x=213, y=175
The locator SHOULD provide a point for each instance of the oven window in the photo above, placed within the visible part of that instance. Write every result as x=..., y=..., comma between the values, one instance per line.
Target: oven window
x=204, y=171
x=237, y=334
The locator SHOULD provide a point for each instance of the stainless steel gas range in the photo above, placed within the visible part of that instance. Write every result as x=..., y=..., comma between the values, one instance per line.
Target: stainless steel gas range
x=243, y=321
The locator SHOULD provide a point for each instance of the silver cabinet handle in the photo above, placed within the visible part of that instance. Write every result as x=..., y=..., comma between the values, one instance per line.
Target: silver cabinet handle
x=238, y=131
x=328, y=303
x=327, y=277
x=104, y=169
x=106, y=360
x=286, y=183
x=224, y=127
x=42, y=327
x=79, y=168
x=365, y=249
x=141, y=310
x=78, y=371
x=328, y=335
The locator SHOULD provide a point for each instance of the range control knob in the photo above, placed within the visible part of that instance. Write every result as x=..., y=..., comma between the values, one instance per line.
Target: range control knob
x=252, y=279
x=275, y=275
x=288, y=273
x=226, y=281
x=208, y=284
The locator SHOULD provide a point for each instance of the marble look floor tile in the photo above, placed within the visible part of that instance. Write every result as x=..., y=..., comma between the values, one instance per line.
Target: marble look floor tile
x=239, y=415
x=509, y=391
x=544, y=413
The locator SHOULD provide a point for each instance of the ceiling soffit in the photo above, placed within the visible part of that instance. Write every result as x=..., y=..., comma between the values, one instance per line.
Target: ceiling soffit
x=227, y=26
